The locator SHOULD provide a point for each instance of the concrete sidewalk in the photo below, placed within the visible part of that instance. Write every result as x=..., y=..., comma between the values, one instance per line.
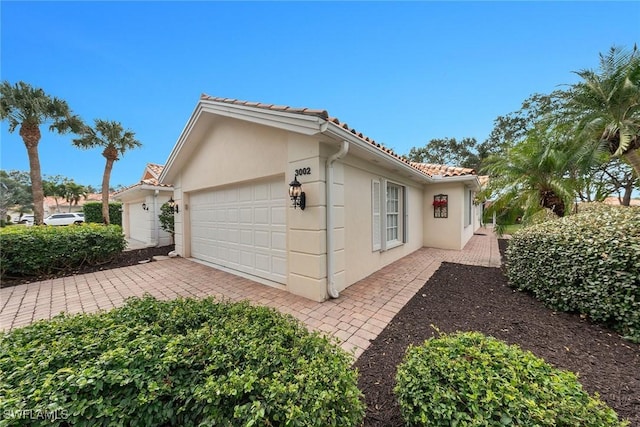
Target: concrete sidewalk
x=358, y=316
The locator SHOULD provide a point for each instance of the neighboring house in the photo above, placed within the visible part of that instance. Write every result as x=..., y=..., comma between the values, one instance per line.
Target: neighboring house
x=52, y=206
x=616, y=201
x=141, y=204
x=231, y=168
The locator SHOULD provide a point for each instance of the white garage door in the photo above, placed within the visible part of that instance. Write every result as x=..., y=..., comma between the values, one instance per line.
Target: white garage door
x=242, y=228
x=139, y=221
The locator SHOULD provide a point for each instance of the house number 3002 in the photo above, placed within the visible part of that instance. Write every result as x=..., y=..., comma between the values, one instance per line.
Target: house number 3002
x=303, y=171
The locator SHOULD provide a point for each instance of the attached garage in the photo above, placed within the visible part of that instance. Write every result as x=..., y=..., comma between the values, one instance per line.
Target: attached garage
x=242, y=227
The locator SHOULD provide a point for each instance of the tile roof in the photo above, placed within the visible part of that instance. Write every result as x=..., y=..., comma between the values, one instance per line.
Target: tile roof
x=150, y=177
x=151, y=174
x=427, y=169
x=308, y=111
x=444, y=170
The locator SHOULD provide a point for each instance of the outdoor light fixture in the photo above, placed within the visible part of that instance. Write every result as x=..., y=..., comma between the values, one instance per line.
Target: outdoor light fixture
x=173, y=205
x=297, y=195
x=145, y=207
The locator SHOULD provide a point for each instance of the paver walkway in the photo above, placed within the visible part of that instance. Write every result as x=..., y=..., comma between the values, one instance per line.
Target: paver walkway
x=358, y=316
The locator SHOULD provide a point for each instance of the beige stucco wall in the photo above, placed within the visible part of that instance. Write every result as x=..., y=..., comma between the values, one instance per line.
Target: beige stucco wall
x=306, y=230
x=451, y=232
x=360, y=258
x=234, y=151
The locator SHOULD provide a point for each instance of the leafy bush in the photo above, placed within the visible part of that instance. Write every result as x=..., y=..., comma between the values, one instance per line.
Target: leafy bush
x=32, y=251
x=587, y=263
x=93, y=213
x=184, y=362
x=468, y=379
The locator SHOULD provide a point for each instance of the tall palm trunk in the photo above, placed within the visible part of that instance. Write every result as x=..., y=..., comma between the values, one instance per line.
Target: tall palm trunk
x=31, y=137
x=111, y=154
x=633, y=157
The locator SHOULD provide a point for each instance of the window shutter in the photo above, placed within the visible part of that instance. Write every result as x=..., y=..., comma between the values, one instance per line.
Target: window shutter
x=405, y=213
x=376, y=223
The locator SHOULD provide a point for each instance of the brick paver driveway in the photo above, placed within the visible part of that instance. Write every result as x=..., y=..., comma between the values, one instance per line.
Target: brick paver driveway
x=358, y=316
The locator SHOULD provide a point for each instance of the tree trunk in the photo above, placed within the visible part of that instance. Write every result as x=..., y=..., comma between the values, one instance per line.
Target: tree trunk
x=31, y=137
x=633, y=157
x=105, y=190
x=551, y=201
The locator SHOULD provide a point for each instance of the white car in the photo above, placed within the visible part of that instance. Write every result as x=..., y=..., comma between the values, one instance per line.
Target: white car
x=64, y=219
x=25, y=219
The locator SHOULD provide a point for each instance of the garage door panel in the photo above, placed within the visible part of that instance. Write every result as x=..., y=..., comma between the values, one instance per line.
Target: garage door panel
x=245, y=229
x=261, y=216
x=279, y=240
x=261, y=239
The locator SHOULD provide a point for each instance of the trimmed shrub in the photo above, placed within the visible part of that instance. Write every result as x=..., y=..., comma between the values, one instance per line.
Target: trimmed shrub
x=32, y=251
x=93, y=213
x=184, y=362
x=587, y=263
x=468, y=379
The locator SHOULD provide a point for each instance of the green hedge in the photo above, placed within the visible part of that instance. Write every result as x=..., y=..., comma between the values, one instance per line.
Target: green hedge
x=468, y=379
x=32, y=251
x=93, y=213
x=587, y=263
x=184, y=362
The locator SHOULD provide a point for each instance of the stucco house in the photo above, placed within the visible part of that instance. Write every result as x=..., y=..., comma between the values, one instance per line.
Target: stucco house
x=141, y=204
x=365, y=206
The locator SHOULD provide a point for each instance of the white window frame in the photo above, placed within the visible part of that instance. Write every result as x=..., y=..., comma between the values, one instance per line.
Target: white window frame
x=386, y=216
x=468, y=204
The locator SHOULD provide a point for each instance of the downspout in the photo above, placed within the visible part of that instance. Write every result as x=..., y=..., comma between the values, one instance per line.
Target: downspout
x=155, y=216
x=331, y=289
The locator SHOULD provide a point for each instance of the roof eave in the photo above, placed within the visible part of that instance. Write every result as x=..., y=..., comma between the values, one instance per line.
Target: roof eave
x=140, y=188
x=337, y=132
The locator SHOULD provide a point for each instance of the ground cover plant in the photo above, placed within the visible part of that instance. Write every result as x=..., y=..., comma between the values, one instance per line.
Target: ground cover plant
x=183, y=362
x=42, y=250
x=471, y=298
x=587, y=263
x=469, y=379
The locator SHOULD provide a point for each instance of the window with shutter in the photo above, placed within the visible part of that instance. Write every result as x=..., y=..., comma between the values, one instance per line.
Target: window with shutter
x=388, y=214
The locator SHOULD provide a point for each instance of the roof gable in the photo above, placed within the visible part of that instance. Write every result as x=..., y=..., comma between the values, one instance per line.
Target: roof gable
x=323, y=120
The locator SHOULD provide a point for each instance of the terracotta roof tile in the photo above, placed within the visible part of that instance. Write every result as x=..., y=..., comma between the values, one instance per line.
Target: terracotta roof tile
x=427, y=169
x=444, y=170
x=153, y=171
x=308, y=111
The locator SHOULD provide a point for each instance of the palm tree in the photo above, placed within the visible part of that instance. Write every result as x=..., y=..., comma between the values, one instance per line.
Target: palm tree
x=27, y=107
x=533, y=175
x=116, y=141
x=605, y=105
x=54, y=186
x=74, y=192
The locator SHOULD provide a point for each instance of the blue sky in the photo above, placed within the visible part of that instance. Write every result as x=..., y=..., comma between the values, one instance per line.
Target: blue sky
x=401, y=73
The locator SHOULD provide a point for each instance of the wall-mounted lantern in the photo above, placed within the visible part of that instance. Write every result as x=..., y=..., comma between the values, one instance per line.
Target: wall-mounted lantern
x=441, y=206
x=297, y=195
x=173, y=205
x=145, y=207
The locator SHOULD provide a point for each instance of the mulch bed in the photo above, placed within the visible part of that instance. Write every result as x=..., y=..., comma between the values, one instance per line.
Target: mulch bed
x=470, y=298
x=124, y=259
